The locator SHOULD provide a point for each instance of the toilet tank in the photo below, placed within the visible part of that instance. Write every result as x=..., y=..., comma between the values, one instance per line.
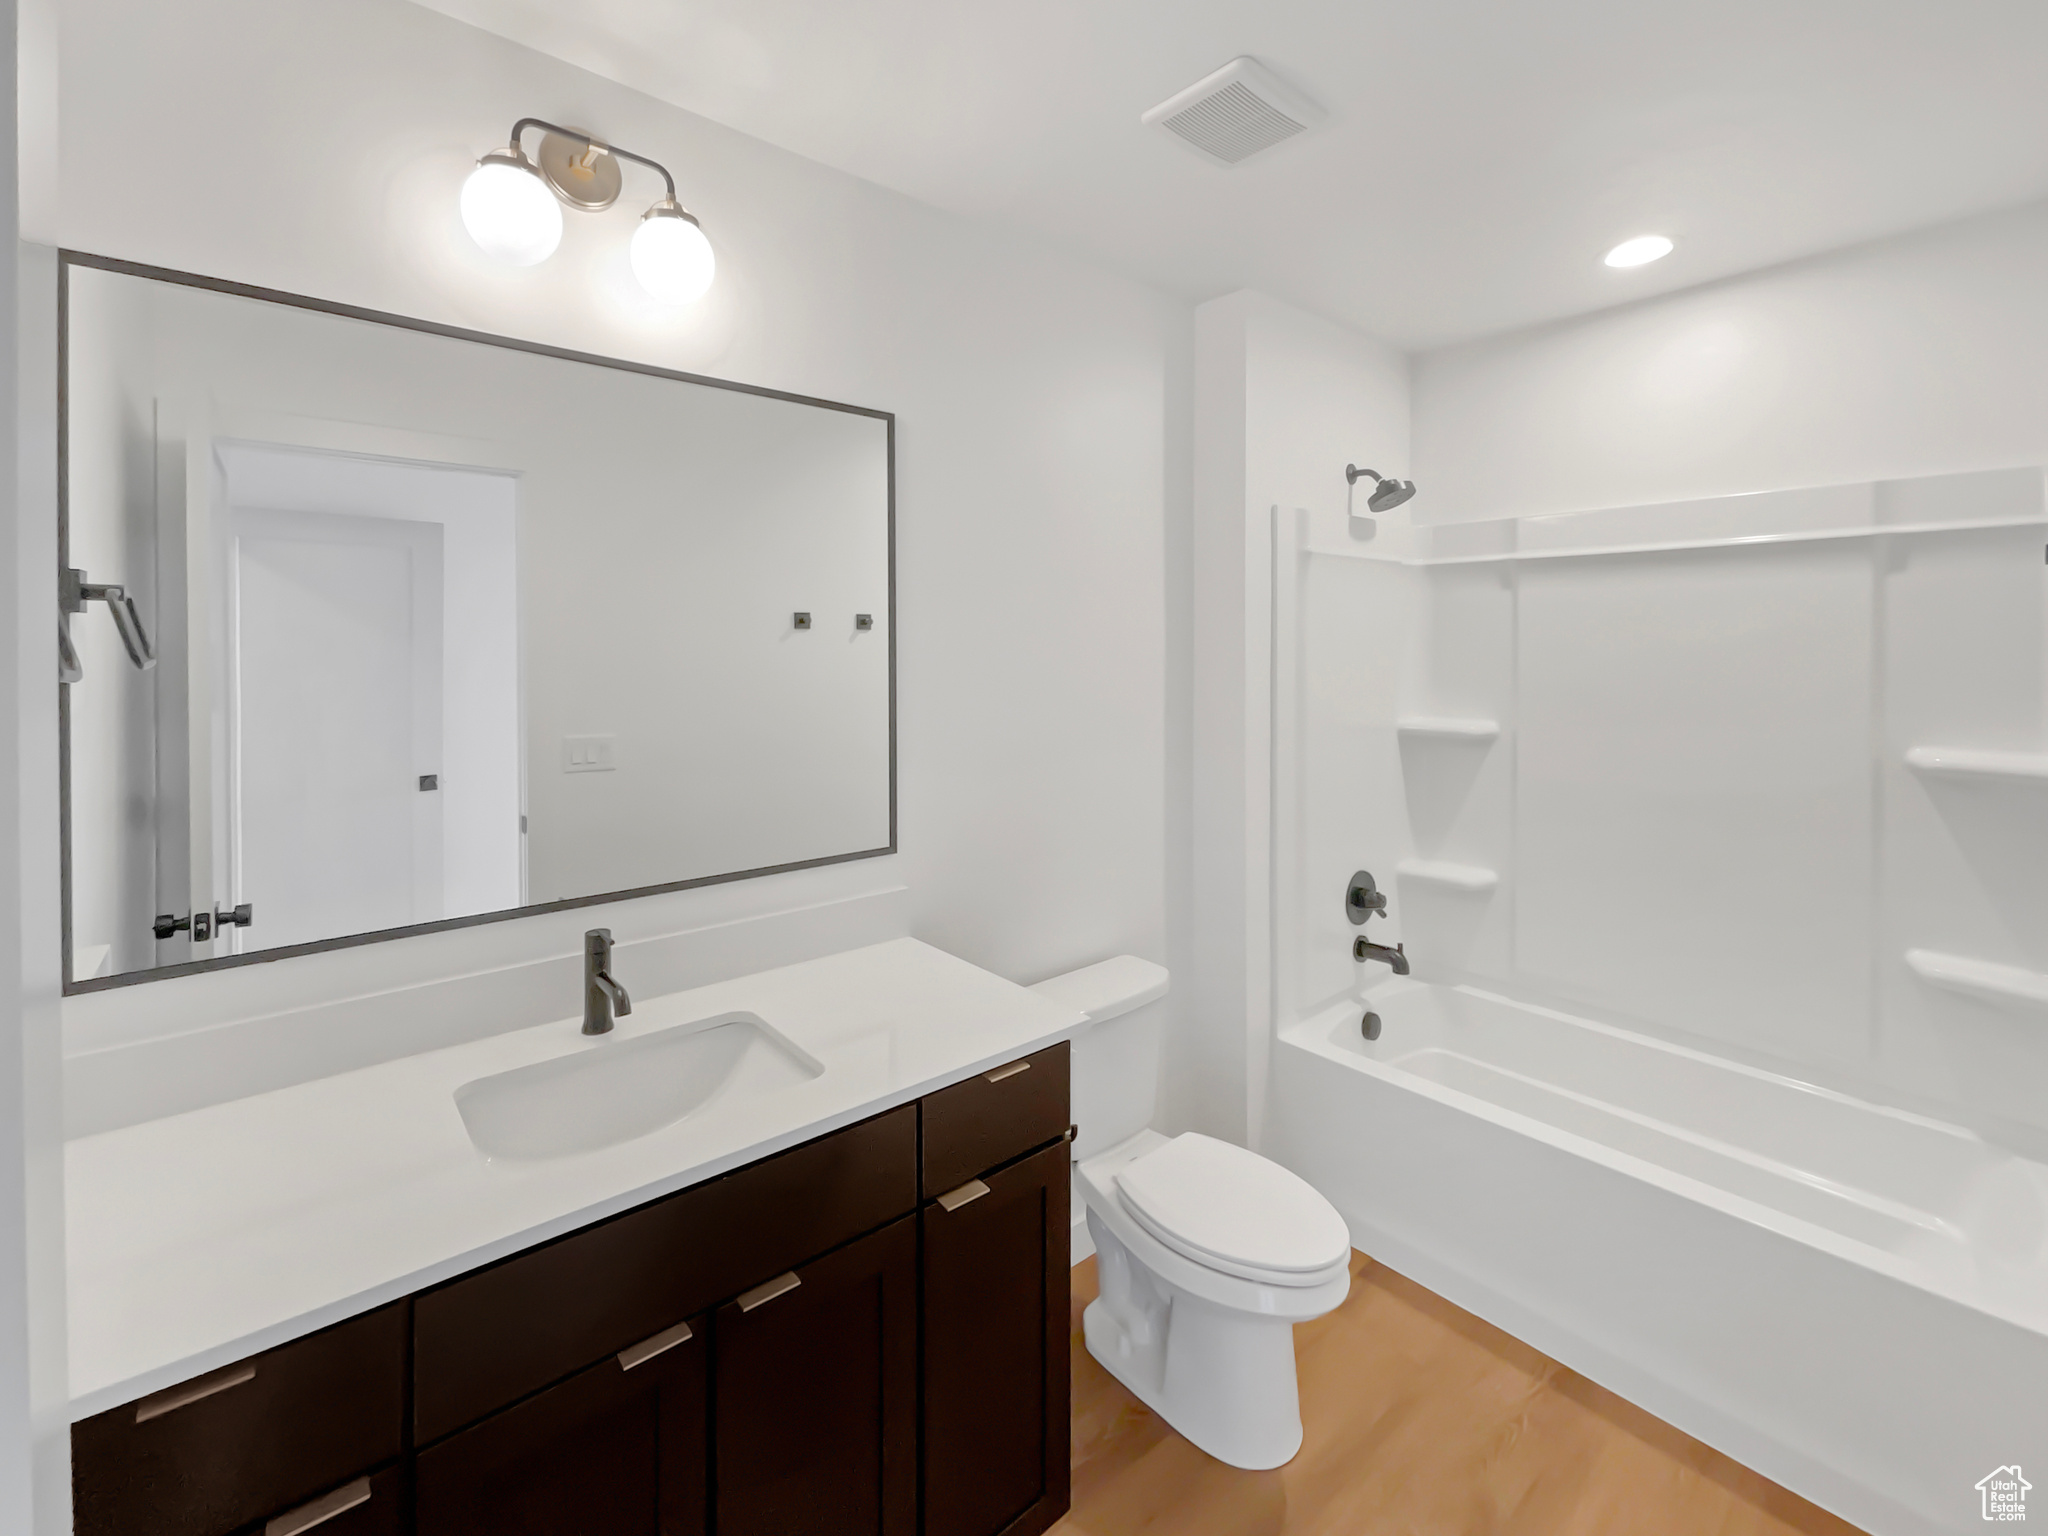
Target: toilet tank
x=1116, y=1056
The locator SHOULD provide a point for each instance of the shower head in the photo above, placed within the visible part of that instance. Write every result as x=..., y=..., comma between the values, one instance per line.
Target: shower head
x=1391, y=493
x=1386, y=494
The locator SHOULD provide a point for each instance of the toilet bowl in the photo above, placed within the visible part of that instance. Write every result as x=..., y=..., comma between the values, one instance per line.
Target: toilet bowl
x=1208, y=1255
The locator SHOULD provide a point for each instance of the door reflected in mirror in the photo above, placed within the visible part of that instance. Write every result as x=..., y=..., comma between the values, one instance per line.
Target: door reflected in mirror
x=445, y=627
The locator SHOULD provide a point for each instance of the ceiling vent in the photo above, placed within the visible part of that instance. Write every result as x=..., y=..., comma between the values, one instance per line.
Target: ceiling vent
x=1235, y=113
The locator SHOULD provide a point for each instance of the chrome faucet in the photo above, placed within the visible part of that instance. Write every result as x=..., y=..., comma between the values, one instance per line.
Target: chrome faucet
x=602, y=996
x=1365, y=949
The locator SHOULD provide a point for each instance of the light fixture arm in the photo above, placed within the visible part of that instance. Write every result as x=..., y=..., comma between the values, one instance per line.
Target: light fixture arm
x=588, y=141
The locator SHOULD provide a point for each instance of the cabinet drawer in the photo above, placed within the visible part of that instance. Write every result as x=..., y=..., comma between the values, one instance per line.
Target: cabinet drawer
x=490, y=1338
x=994, y=1116
x=245, y=1443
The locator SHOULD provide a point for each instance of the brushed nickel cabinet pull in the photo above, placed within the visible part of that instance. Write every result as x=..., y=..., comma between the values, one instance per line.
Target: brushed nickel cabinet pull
x=660, y=1344
x=966, y=1194
x=1010, y=1071
x=320, y=1511
x=192, y=1391
x=781, y=1285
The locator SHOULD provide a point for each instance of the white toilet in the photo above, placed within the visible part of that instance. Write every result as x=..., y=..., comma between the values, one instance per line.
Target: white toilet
x=1208, y=1254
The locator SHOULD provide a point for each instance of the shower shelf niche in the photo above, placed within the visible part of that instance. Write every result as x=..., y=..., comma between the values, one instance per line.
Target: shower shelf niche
x=1447, y=728
x=1469, y=879
x=1969, y=763
x=1981, y=979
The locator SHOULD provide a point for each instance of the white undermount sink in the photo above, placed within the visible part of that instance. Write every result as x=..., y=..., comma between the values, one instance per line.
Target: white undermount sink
x=620, y=1088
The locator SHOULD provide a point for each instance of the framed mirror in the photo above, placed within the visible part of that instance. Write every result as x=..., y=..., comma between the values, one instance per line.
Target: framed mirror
x=373, y=627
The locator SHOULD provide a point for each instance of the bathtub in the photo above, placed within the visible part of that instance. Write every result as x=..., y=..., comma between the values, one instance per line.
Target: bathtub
x=1849, y=1298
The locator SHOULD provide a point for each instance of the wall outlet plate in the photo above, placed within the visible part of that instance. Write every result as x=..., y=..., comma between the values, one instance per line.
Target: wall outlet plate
x=590, y=754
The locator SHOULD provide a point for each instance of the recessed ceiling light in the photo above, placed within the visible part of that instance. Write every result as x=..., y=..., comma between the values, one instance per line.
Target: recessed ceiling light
x=1640, y=251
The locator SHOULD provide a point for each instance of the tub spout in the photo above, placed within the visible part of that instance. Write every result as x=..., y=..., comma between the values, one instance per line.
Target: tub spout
x=1397, y=956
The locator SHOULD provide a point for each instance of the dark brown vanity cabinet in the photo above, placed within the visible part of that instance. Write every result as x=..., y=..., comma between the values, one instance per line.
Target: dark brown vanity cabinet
x=863, y=1334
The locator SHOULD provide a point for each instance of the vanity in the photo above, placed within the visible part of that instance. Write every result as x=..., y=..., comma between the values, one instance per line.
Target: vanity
x=864, y=1329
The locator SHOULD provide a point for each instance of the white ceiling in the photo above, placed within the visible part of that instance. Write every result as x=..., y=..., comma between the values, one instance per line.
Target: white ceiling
x=1479, y=158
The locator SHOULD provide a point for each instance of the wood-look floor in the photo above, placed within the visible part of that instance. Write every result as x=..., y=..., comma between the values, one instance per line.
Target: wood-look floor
x=1420, y=1420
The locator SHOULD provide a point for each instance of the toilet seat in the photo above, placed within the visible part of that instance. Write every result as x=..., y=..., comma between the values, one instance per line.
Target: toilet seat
x=1228, y=1209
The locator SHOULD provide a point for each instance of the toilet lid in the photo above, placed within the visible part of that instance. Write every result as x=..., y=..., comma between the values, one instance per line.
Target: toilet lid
x=1216, y=1201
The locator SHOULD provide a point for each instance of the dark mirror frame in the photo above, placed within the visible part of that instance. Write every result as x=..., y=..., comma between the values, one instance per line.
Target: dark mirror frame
x=69, y=259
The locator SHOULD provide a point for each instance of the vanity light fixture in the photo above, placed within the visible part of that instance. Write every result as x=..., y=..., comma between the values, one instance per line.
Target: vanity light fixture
x=512, y=207
x=1640, y=251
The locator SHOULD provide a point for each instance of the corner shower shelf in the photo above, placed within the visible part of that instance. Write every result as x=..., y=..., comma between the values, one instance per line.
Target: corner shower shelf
x=1468, y=878
x=1967, y=763
x=1447, y=728
x=1980, y=978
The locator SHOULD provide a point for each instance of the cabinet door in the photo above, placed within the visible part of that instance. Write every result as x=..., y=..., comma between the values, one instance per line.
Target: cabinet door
x=817, y=1396
x=619, y=1450
x=995, y=1352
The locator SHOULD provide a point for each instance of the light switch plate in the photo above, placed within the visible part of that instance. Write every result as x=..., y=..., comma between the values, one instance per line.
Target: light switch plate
x=589, y=754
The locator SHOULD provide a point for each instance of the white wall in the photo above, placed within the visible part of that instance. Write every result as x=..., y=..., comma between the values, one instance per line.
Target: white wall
x=1031, y=392
x=1283, y=400
x=1917, y=356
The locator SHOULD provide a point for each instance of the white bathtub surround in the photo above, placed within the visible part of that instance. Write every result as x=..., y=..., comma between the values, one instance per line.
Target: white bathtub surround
x=1729, y=1086
x=2008, y=984
x=1447, y=729
x=1718, y=739
x=1207, y=1256
x=1445, y=875
x=2023, y=768
x=206, y=1237
x=1849, y=1298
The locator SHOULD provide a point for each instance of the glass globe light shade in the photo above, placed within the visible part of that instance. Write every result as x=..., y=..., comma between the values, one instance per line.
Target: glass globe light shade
x=671, y=256
x=509, y=210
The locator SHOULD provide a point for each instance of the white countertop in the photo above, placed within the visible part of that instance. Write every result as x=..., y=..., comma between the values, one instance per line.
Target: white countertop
x=199, y=1239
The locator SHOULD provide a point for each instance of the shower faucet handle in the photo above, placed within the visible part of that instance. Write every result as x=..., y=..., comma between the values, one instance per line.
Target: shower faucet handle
x=1362, y=898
